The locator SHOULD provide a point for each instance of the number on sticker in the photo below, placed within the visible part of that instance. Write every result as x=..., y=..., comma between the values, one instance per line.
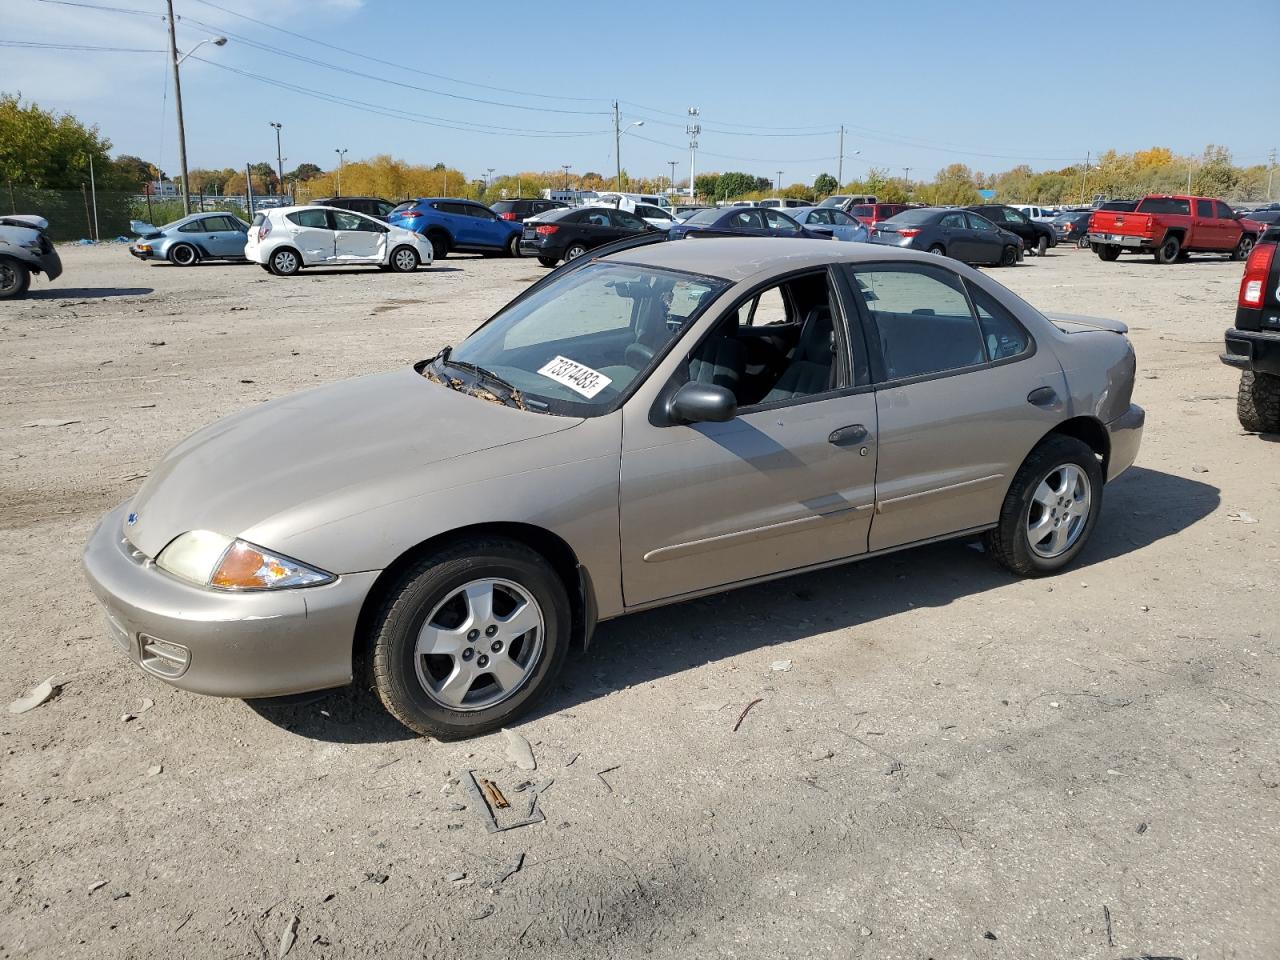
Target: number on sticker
x=575, y=376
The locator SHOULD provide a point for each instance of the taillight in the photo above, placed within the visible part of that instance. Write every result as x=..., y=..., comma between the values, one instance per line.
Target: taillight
x=546, y=230
x=1253, y=285
x=909, y=232
x=506, y=216
x=264, y=230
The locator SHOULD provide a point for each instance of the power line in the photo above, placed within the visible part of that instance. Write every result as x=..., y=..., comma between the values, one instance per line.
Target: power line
x=30, y=44
x=97, y=6
x=425, y=73
x=398, y=114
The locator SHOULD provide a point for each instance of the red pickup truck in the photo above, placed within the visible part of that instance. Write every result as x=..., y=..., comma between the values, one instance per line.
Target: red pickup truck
x=1171, y=227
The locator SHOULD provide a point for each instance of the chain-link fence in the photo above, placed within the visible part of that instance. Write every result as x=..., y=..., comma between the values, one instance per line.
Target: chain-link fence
x=72, y=214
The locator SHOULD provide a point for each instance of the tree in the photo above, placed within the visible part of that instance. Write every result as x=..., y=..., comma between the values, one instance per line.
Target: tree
x=303, y=172
x=706, y=184
x=824, y=184
x=266, y=171
x=39, y=148
x=136, y=172
x=735, y=184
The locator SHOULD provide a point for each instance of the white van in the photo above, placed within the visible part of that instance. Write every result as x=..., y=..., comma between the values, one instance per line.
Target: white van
x=611, y=198
x=1032, y=212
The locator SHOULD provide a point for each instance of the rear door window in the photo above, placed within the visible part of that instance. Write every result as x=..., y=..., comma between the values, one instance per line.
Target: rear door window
x=628, y=220
x=922, y=317
x=780, y=222
x=310, y=218
x=1172, y=205
x=1003, y=336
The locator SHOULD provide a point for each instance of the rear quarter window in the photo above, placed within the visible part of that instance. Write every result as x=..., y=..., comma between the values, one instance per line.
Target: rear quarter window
x=1170, y=205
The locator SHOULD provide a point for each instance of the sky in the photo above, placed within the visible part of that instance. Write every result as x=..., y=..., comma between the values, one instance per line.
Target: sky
x=517, y=86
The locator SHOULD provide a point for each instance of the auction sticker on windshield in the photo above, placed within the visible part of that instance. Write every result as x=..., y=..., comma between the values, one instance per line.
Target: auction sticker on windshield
x=575, y=376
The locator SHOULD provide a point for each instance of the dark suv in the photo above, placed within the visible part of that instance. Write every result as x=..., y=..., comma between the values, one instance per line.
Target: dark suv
x=1253, y=344
x=373, y=206
x=1036, y=237
x=451, y=223
x=518, y=210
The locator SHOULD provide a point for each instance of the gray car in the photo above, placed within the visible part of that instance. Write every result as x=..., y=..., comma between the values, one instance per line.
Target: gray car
x=950, y=232
x=637, y=428
x=185, y=242
x=24, y=250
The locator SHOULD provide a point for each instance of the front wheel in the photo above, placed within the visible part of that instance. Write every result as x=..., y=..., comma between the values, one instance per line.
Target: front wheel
x=1243, y=248
x=1258, y=402
x=1050, y=510
x=15, y=278
x=469, y=638
x=404, y=260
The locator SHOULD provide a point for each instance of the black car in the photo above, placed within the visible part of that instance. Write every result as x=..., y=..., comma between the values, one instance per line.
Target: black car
x=950, y=232
x=1270, y=217
x=372, y=206
x=1073, y=227
x=1036, y=237
x=748, y=221
x=519, y=209
x=1253, y=344
x=568, y=234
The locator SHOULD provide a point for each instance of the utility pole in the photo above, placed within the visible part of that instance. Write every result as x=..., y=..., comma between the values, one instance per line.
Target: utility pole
x=906, y=175
x=248, y=188
x=565, y=167
x=779, y=181
x=1084, y=176
x=177, y=98
x=617, y=147
x=342, y=153
x=93, y=188
x=693, y=129
x=840, y=162
x=279, y=161
x=671, y=184
x=1271, y=169
x=488, y=180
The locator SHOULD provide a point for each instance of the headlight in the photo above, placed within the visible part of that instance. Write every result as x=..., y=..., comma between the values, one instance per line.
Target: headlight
x=210, y=559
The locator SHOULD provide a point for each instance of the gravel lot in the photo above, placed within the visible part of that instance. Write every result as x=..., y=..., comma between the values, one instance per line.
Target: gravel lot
x=957, y=764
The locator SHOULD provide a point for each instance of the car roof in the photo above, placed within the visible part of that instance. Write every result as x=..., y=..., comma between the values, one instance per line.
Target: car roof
x=737, y=258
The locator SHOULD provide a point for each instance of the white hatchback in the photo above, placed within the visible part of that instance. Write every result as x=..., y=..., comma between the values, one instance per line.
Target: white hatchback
x=288, y=238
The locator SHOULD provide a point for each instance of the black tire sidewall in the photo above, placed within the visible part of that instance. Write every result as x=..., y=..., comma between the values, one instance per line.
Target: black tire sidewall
x=22, y=277
x=183, y=246
x=395, y=636
x=548, y=261
x=513, y=245
x=1169, y=249
x=439, y=247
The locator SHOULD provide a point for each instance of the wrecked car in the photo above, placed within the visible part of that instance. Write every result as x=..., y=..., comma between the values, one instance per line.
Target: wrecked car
x=651, y=422
x=24, y=250
x=189, y=240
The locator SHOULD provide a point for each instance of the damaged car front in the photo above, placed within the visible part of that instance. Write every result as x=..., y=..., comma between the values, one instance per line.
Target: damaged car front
x=24, y=250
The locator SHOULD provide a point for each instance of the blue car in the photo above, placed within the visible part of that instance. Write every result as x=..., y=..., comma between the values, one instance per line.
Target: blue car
x=747, y=221
x=830, y=220
x=452, y=224
x=186, y=242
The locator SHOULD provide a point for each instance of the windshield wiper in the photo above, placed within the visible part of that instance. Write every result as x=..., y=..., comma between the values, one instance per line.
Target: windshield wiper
x=513, y=395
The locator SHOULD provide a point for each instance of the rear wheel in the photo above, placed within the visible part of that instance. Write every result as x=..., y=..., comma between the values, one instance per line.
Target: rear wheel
x=183, y=255
x=1042, y=246
x=469, y=637
x=513, y=245
x=404, y=260
x=1107, y=252
x=285, y=262
x=439, y=246
x=1168, y=250
x=15, y=278
x=1243, y=248
x=1083, y=243
x=1050, y=510
x=548, y=261
x=575, y=251
x=938, y=250
x=1009, y=256
x=1258, y=402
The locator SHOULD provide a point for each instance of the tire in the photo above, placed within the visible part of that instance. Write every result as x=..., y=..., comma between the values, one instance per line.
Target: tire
x=1009, y=257
x=548, y=261
x=575, y=251
x=1244, y=247
x=1083, y=243
x=403, y=260
x=1169, y=250
x=183, y=255
x=1051, y=479
x=513, y=245
x=1258, y=402
x=1042, y=246
x=432, y=598
x=284, y=262
x=15, y=278
x=1106, y=252
x=938, y=250
x=439, y=246
x=265, y=266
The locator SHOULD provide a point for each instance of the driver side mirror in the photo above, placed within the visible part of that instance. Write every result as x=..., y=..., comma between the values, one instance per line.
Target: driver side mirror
x=703, y=403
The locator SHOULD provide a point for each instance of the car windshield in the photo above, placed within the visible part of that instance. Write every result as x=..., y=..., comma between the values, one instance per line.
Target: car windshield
x=910, y=217
x=833, y=202
x=570, y=347
x=710, y=215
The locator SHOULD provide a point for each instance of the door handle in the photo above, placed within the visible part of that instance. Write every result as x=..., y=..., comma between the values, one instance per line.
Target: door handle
x=1045, y=398
x=849, y=436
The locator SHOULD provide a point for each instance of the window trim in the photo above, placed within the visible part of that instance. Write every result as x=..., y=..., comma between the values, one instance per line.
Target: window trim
x=879, y=377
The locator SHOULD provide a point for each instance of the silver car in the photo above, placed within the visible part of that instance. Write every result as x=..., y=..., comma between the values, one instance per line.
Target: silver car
x=185, y=242
x=641, y=426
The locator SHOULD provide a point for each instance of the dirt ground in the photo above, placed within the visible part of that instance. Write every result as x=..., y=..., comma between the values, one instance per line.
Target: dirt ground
x=956, y=765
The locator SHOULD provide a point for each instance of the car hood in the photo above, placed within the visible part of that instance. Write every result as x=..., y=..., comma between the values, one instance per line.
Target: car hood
x=357, y=444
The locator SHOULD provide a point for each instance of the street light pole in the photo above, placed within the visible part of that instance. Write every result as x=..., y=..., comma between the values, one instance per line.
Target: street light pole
x=692, y=129
x=779, y=181
x=565, y=167
x=279, y=160
x=671, y=186
x=840, y=162
x=488, y=180
x=617, y=144
x=341, y=152
x=177, y=95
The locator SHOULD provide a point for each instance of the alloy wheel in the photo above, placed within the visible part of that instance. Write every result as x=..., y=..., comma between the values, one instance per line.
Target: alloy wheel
x=184, y=256
x=1059, y=511
x=479, y=645
x=405, y=260
x=285, y=262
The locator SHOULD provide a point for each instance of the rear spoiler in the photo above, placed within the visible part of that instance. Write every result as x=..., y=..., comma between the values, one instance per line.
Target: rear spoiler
x=143, y=229
x=1076, y=323
x=27, y=220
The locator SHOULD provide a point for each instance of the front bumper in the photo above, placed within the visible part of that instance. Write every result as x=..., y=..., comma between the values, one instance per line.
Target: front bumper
x=246, y=645
x=1122, y=240
x=1256, y=350
x=1125, y=433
